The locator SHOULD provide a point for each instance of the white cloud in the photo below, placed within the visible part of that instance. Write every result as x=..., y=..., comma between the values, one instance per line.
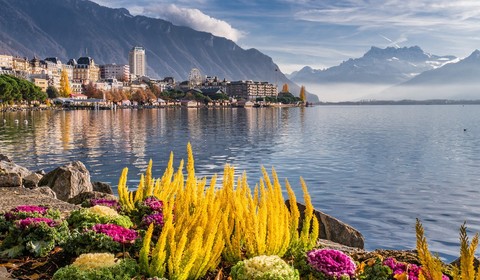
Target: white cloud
x=195, y=19
x=398, y=13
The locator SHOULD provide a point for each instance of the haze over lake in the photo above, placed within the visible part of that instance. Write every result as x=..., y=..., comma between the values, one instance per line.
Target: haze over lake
x=376, y=168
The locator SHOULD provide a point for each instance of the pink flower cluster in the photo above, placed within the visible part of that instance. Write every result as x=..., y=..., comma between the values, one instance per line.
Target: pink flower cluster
x=35, y=222
x=117, y=233
x=156, y=219
x=331, y=262
x=105, y=202
x=412, y=270
x=153, y=203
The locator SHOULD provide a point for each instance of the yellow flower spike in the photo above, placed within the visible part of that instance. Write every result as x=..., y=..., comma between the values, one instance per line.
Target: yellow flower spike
x=402, y=276
x=139, y=195
x=145, y=251
x=294, y=212
x=148, y=180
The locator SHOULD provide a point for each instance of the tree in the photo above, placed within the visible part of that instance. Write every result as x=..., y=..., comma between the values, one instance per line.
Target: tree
x=52, y=92
x=303, y=96
x=285, y=88
x=65, y=89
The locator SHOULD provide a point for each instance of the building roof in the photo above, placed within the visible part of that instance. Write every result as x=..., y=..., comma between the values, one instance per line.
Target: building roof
x=85, y=60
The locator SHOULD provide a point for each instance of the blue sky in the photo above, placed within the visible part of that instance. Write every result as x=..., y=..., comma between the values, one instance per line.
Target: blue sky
x=320, y=34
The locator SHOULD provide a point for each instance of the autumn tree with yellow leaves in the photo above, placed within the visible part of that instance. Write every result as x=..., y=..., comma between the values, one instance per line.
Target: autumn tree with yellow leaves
x=65, y=89
x=303, y=95
x=285, y=88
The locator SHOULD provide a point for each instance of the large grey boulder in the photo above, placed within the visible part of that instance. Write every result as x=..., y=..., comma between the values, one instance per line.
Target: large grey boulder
x=68, y=181
x=5, y=158
x=46, y=191
x=102, y=187
x=31, y=181
x=87, y=196
x=11, y=174
x=334, y=230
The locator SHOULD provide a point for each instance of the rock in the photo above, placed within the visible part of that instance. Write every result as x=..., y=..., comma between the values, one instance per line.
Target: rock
x=335, y=230
x=11, y=174
x=102, y=187
x=80, y=198
x=68, y=181
x=476, y=263
x=5, y=158
x=47, y=191
x=31, y=181
x=4, y=273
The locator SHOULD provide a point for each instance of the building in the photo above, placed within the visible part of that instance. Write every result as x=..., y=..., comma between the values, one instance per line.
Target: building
x=137, y=61
x=250, y=90
x=113, y=71
x=41, y=83
x=85, y=70
x=6, y=61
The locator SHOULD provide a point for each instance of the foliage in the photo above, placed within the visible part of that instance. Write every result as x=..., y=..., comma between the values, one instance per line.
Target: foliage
x=13, y=89
x=111, y=203
x=65, y=89
x=287, y=98
x=431, y=265
x=374, y=269
x=466, y=271
x=33, y=236
x=303, y=96
x=332, y=263
x=87, y=217
x=83, y=241
x=124, y=269
x=264, y=268
x=228, y=221
x=285, y=88
x=52, y=92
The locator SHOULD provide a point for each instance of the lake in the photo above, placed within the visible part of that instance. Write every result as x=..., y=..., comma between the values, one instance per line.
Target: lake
x=377, y=168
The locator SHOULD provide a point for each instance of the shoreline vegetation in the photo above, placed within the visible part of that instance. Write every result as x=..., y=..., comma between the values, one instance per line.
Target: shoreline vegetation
x=178, y=226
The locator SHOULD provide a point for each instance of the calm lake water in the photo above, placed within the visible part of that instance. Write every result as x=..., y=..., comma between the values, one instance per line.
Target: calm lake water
x=374, y=167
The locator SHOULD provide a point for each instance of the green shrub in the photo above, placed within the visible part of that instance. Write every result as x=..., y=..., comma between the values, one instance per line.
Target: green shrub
x=264, y=268
x=124, y=270
x=88, y=217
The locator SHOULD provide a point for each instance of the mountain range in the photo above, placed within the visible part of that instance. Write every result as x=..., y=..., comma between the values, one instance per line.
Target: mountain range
x=394, y=74
x=377, y=66
x=74, y=28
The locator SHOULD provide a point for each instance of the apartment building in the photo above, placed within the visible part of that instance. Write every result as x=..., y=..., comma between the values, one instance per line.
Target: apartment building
x=251, y=90
x=137, y=61
x=120, y=72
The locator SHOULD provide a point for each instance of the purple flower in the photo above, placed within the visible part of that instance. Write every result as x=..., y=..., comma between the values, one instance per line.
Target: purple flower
x=397, y=267
x=31, y=209
x=35, y=222
x=153, y=203
x=413, y=271
x=331, y=262
x=112, y=203
x=117, y=233
x=156, y=219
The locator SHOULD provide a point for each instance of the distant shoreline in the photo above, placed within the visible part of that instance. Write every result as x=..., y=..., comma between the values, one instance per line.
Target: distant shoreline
x=403, y=102
x=20, y=108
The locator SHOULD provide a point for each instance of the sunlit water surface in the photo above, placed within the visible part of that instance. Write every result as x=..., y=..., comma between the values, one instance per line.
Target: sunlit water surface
x=376, y=168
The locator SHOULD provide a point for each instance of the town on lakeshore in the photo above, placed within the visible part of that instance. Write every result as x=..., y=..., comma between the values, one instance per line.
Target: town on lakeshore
x=82, y=83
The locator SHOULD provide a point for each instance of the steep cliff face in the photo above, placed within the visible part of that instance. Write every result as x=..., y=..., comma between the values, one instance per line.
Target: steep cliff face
x=70, y=28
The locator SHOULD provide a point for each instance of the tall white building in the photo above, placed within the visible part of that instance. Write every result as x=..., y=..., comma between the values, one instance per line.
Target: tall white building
x=137, y=61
